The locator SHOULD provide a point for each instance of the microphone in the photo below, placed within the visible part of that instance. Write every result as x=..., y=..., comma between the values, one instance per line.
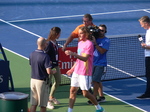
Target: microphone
x=140, y=38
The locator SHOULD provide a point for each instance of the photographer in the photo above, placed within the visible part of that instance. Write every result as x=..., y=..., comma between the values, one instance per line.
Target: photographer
x=101, y=46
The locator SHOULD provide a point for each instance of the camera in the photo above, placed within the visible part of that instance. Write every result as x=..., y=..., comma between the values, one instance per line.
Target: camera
x=95, y=31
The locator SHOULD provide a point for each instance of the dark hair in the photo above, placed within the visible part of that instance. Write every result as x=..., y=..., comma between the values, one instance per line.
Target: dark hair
x=53, y=33
x=145, y=19
x=102, y=25
x=88, y=16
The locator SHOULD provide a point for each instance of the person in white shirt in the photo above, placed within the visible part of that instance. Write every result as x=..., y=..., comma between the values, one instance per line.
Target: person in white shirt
x=145, y=23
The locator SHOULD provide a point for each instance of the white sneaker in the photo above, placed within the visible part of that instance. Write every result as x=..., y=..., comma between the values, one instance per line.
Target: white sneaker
x=55, y=101
x=50, y=105
x=101, y=110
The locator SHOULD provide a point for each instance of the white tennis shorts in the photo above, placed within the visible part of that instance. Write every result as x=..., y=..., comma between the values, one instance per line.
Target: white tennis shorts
x=84, y=82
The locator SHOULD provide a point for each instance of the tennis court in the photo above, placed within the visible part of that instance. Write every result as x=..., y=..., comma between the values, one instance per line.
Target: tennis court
x=22, y=22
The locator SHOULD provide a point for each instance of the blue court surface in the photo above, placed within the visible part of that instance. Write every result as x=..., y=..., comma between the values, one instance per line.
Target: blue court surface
x=127, y=90
x=23, y=21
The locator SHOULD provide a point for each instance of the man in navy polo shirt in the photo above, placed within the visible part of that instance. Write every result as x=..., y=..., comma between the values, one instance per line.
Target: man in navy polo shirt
x=40, y=69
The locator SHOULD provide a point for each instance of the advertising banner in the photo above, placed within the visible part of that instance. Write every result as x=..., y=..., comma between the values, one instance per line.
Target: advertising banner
x=66, y=62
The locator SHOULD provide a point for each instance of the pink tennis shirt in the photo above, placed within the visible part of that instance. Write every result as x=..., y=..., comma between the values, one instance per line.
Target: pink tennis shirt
x=82, y=67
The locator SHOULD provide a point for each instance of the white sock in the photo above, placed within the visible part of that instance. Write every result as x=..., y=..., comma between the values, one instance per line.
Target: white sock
x=98, y=107
x=70, y=109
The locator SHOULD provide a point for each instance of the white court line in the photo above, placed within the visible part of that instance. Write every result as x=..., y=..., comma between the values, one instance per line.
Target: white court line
x=23, y=29
x=20, y=28
x=16, y=53
x=48, y=18
x=126, y=73
x=125, y=102
x=146, y=11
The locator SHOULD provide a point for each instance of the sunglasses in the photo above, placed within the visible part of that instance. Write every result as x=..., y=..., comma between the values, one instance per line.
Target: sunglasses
x=102, y=30
x=85, y=21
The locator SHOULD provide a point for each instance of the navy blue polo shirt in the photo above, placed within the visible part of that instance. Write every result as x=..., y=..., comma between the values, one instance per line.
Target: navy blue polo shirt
x=39, y=61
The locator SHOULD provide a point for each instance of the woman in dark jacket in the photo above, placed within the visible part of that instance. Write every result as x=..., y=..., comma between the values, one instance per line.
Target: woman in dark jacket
x=52, y=51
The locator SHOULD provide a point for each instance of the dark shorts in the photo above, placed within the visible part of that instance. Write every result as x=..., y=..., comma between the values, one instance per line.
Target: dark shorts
x=98, y=72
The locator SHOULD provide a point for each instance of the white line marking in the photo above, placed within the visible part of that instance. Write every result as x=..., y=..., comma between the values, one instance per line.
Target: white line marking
x=147, y=11
x=20, y=28
x=127, y=73
x=48, y=18
x=16, y=53
x=23, y=29
x=125, y=102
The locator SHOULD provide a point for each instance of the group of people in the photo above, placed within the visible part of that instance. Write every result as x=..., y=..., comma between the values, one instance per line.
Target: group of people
x=44, y=65
x=91, y=62
x=88, y=69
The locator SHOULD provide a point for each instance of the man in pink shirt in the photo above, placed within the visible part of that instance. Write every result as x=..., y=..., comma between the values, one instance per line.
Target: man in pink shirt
x=82, y=69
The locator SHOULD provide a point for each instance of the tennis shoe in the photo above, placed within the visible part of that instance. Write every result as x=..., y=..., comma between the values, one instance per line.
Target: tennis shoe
x=100, y=110
x=101, y=99
x=89, y=102
x=50, y=105
x=55, y=101
x=143, y=96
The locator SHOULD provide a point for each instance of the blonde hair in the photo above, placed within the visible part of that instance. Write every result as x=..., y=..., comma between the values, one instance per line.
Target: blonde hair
x=145, y=19
x=86, y=31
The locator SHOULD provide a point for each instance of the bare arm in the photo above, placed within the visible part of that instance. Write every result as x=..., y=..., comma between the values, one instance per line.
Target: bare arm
x=70, y=38
x=50, y=71
x=83, y=58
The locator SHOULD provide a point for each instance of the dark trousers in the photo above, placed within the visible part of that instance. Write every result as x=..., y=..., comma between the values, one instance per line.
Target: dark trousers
x=147, y=66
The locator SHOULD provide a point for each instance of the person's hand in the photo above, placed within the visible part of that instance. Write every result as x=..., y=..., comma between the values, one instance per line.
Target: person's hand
x=68, y=52
x=69, y=72
x=63, y=48
x=143, y=45
x=54, y=71
x=93, y=40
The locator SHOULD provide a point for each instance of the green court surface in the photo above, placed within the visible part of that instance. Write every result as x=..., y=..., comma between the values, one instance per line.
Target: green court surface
x=20, y=71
